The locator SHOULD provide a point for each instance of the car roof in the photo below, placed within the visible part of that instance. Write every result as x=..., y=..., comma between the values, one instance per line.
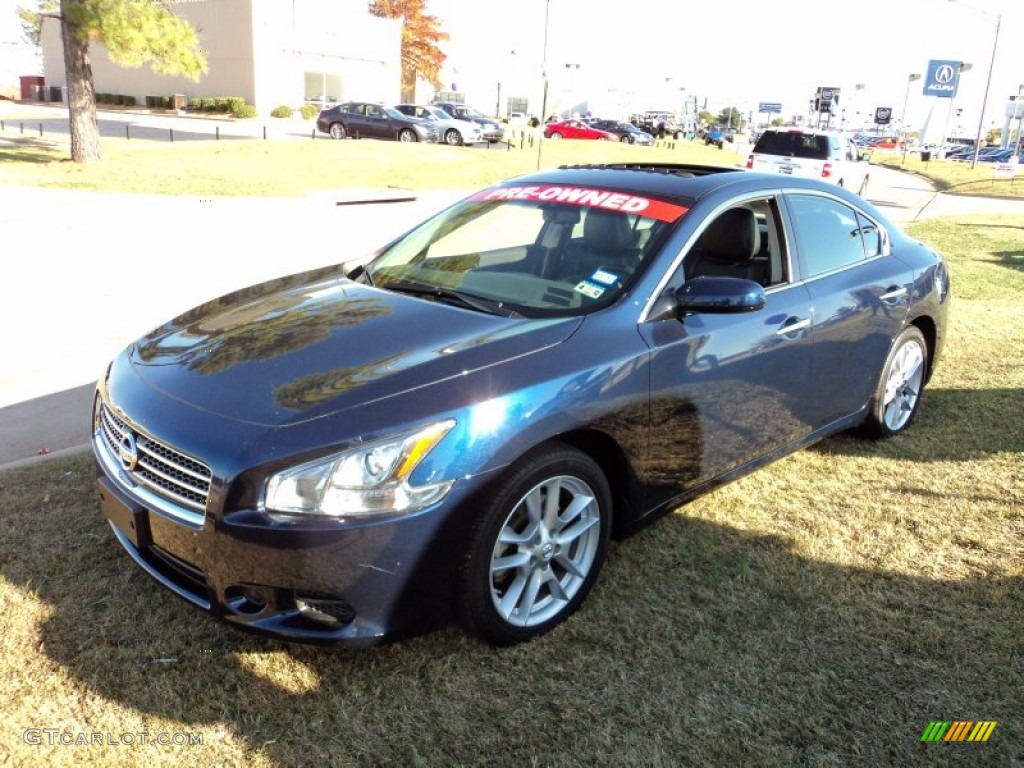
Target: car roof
x=670, y=180
x=654, y=179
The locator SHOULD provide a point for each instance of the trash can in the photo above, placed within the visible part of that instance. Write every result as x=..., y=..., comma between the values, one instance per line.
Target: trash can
x=178, y=101
x=926, y=155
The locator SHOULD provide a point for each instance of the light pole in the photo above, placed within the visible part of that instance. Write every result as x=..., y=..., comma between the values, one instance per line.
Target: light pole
x=544, y=67
x=544, y=74
x=988, y=80
x=906, y=98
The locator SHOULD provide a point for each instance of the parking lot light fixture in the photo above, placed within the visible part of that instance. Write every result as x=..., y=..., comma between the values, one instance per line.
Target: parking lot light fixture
x=906, y=97
x=988, y=80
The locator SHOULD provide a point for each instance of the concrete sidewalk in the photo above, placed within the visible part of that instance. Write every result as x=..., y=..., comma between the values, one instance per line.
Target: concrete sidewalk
x=84, y=274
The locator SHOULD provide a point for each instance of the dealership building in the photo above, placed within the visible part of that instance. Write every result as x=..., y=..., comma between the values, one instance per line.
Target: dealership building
x=269, y=52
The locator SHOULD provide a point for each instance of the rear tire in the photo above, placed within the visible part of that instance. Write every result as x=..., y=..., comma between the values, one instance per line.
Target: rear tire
x=555, y=135
x=538, y=546
x=337, y=131
x=898, y=393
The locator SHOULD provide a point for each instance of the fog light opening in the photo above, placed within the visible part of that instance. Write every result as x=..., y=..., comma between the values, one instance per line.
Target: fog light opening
x=247, y=600
x=329, y=610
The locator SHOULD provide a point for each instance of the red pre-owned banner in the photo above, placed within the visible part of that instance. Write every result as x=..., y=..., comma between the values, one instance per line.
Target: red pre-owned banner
x=593, y=198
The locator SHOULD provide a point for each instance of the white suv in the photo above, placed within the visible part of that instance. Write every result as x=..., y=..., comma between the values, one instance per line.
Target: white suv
x=813, y=154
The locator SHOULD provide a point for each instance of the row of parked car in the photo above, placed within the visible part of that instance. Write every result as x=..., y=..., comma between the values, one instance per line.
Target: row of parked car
x=452, y=124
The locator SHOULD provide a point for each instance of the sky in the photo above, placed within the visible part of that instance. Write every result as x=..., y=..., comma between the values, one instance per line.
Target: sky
x=739, y=53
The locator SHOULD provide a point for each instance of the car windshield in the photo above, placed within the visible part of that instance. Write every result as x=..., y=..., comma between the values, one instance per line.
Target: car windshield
x=793, y=144
x=532, y=251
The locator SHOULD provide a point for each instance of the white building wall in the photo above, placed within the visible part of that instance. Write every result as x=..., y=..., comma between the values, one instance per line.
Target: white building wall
x=269, y=52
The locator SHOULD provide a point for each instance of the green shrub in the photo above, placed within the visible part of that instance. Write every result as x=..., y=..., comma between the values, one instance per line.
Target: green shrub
x=235, y=103
x=165, y=102
x=245, y=111
x=221, y=104
x=196, y=105
x=309, y=111
x=129, y=101
x=282, y=111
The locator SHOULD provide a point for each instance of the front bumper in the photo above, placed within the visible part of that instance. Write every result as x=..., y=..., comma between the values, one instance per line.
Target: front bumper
x=316, y=582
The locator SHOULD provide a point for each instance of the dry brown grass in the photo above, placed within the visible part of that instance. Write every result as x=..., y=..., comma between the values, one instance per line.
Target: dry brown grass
x=819, y=612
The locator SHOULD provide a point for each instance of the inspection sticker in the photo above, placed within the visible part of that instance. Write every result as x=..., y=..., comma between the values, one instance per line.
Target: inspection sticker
x=589, y=289
x=604, y=278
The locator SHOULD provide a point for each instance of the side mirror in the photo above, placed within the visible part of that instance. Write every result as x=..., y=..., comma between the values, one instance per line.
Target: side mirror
x=709, y=295
x=721, y=295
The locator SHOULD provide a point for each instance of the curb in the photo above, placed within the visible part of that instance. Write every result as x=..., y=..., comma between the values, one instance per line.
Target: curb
x=74, y=450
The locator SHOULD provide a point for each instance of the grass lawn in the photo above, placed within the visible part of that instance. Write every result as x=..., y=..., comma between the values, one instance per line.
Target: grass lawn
x=285, y=167
x=954, y=177
x=819, y=612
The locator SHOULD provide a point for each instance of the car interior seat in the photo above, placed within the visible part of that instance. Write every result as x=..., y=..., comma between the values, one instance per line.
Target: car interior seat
x=729, y=247
x=607, y=242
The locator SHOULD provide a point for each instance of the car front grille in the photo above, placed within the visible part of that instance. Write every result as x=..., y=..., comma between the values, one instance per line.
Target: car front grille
x=166, y=472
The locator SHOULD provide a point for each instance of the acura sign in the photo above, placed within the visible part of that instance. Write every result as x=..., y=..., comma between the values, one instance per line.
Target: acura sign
x=943, y=78
x=883, y=115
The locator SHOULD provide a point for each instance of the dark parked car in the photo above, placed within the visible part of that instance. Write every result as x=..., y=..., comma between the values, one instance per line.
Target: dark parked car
x=493, y=131
x=456, y=427
x=623, y=131
x=365, y=120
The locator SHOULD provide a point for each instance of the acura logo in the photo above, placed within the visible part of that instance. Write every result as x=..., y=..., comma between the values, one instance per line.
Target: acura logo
x=945, y=74
x=127, y=452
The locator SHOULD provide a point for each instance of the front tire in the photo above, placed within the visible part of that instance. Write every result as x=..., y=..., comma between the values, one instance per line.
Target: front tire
x=407, y=135
x=337, y=131
x=537, y=548
x=898, y=394
x=453, y=138
x=625, y=139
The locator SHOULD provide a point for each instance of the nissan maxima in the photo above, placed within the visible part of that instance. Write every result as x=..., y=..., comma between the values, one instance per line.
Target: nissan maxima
x=454, y=429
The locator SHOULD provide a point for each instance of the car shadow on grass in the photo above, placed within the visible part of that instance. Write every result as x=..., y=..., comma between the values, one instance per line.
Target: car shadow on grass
x=702, y=644
x=951, y=425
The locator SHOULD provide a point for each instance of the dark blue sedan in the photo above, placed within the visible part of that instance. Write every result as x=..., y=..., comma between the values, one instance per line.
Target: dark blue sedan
x=454, y=429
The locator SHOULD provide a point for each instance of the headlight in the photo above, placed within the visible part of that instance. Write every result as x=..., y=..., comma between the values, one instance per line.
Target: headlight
x=372, y=479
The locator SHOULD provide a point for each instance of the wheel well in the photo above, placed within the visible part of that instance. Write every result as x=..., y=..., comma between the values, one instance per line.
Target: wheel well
x=613, y=462
x=927, y=328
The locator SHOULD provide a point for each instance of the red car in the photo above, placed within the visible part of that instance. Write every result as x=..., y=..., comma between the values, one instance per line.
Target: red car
x=575, y=129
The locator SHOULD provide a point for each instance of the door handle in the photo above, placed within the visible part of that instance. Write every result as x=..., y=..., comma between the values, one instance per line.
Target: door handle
x=893, y=293
x=793, y=327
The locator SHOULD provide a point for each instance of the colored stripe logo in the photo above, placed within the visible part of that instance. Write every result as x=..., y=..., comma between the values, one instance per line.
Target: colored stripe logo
x=958, y=730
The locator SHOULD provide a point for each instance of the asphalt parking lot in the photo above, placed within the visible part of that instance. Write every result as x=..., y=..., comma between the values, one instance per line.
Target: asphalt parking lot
x=74, y=292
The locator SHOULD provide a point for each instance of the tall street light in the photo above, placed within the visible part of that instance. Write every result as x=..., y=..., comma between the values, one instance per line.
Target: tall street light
x=988, y=80
x=906, y=98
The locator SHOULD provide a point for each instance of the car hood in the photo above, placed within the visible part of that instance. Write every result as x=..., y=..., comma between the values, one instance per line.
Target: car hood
x=292, y=350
